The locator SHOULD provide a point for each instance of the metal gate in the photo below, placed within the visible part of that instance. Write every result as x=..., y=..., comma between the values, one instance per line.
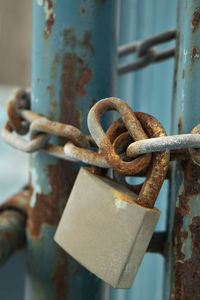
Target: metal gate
x=74, y=64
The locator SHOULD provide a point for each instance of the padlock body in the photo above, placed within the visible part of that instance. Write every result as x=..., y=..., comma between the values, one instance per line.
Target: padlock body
x=105, y=230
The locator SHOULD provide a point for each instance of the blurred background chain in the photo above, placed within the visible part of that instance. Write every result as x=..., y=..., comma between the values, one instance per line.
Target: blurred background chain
x=146, y=52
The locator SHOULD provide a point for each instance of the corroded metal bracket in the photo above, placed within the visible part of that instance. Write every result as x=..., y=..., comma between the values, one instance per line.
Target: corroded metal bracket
x=13, y=217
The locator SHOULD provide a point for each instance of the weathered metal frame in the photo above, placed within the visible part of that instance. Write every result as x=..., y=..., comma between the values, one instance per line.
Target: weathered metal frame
x=47, y=87
x=183, y=275
x=70, y=71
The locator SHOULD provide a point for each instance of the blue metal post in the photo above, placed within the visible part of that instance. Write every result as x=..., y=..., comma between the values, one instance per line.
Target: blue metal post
x=73, y=66
x=184, y=223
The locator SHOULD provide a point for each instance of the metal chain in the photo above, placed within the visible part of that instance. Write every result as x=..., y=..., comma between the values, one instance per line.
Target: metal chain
x=146, y=52
x=78, y=145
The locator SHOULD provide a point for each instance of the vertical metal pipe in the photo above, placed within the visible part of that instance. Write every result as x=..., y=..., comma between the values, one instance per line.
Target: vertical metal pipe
x=148, y=90
x=184, y=223
x=73, y=66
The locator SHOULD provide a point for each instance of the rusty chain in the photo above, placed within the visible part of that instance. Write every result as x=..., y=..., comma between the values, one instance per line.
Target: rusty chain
x=146, y=53
x=124, y=140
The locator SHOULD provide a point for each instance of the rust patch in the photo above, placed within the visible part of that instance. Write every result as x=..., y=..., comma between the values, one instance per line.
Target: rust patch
x=121, y=197
x=50, y=18
x=48, y=208
x=55, y=66
x=86, y=42
x=180, y=212
x=14, y=117
x=59, y=276
x=196, y=18
x=102, y=2
x=71, y=69
x=38, y=79
x=83, y=10
x=183, y=74
x=84, y=79
x=49, y=88
x=69, y=37
x=185, y=234
x=187, y=273
x=195, y=53
x=80, y=60
x=195, y=153
x=49, y=25
x=50, y=4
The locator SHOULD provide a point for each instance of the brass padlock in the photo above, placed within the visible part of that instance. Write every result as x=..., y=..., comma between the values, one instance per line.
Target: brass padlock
x=105, y=226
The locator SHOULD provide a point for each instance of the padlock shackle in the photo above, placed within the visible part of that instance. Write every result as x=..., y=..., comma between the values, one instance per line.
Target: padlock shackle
x=159, y=164
x=132, y=125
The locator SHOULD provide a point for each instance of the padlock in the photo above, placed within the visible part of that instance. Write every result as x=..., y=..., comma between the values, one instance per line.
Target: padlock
x=105, y=226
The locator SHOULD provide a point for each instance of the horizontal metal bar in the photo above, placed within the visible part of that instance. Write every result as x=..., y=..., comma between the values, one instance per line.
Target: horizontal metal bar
x=158, y=243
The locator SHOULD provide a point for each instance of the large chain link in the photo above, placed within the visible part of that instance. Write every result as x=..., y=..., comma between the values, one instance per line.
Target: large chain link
x=123, y=141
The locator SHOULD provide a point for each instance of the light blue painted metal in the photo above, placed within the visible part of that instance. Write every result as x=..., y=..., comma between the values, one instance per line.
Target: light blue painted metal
x=73, y=66
x=148, y=90
x=183, y=264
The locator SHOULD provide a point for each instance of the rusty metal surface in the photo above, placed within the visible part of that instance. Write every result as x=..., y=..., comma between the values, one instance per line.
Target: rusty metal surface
x=49, y=17
x=195, y=153
x=70, y=71
x=183, y=276
x=186, y=273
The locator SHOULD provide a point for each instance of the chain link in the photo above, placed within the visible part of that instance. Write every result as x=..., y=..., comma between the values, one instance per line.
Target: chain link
x=78, y=145
x=146, y=53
